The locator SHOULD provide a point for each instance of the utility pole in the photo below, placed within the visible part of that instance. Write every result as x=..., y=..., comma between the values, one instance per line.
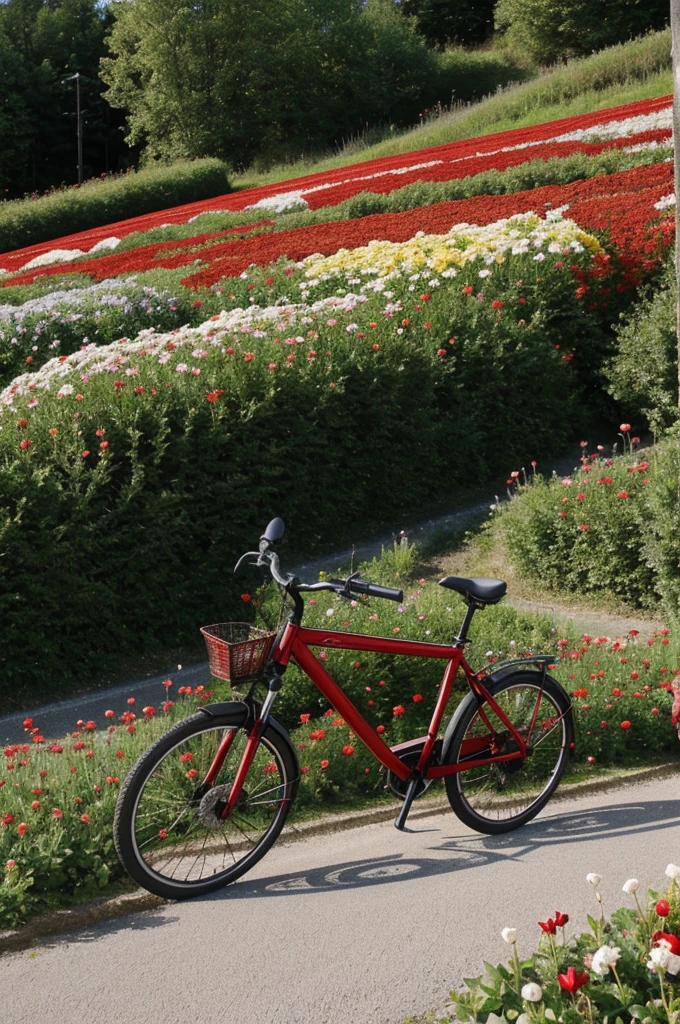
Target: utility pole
x=79, y=123
x=675, y=35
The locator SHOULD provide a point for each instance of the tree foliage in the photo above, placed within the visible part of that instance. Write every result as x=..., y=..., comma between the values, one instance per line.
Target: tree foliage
x=554, y=30
x=443, y=22
x=41, y=43
x=238, y=80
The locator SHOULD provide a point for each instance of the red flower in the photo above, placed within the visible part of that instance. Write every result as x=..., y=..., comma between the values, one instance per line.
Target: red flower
x=8, y=819
x=28, y=723
x=616, y=692
x=22, y=423
x=625, y=724
x=624, y=428
x=572, y=981
x=380, y=728
x=305, y=718
x=417, y=697
x=318, y=735
x=398, y=710
x=163, y=834
x=246, y=598
x=561, y=919
x=22, y=829
x=497, y=304
x=662, y=908
x=583, y=527
x=549, y=926
x=85, y=818
x=672, y=940
x=348, y=751
x=25, y=443
x=325, y=763
x=186, y=757
x=56, y=813
x=304, y=770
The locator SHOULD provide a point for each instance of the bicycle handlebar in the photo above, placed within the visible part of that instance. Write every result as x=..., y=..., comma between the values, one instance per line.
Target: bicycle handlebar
x=265, y=556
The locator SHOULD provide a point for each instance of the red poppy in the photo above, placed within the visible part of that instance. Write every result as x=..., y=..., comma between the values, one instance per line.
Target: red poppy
x=662, y=908
x=625, y=724
x=573, y=980
x=325, y=763
x=348, y=751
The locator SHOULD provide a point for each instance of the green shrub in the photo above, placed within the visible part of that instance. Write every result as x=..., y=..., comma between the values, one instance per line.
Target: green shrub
x=643, y=376
x=25, y=222
x=614, y=528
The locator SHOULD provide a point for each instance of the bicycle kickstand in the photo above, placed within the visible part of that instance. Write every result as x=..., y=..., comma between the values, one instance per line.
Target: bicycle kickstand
x=400, y=823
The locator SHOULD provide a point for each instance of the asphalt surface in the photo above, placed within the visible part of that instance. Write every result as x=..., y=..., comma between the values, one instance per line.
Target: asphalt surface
x=365, y=926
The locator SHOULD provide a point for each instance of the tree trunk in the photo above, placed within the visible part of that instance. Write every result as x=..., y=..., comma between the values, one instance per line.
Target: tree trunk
x=675, y=32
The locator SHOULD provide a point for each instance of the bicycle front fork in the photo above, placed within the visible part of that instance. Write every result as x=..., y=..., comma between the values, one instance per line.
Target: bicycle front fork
x=253, y=743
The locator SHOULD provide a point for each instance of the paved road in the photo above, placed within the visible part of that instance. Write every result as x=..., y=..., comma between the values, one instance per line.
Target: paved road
x=364, y=926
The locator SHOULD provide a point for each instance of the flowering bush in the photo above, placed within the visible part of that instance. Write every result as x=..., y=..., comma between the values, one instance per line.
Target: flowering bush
x=611, y=525
x=624, y=969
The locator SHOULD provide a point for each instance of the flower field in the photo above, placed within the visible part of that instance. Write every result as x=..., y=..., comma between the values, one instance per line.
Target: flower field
x=150, y=370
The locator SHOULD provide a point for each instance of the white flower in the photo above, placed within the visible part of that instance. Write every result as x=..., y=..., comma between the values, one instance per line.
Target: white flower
x=532, y=992
x=509, y=935
x=631, y=886
x=604, y=958
x=592, y=877
x=661, y=956
x=672, y=871
x=329, y=612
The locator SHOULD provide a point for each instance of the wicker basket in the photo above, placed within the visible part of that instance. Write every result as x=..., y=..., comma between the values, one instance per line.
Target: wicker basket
x=237, y=650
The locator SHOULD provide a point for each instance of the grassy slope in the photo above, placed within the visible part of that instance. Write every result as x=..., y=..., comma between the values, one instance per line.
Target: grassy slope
x=621, y=74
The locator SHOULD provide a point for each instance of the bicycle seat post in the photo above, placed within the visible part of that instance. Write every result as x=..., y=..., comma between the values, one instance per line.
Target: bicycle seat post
x=472, y=607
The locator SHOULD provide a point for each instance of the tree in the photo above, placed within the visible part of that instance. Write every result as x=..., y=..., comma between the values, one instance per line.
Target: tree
x=554, y=30
x=41, y=43
x=443, y=22
x=242, y=80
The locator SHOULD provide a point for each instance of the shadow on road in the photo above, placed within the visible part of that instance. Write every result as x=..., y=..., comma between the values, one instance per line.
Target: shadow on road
x=468, y=850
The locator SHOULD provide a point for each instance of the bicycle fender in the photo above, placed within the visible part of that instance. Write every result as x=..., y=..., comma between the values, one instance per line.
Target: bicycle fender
x=230, y=706
x=491, y=682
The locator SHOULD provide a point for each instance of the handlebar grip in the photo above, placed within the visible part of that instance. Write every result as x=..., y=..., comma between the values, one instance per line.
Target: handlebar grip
x=374, y=590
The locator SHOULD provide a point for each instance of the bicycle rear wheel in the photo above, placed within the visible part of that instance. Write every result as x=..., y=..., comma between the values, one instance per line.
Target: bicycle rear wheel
x=167, y=829
x=500, y=797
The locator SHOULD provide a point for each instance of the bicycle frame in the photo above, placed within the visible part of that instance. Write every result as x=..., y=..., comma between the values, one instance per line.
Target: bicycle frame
x=294, y=643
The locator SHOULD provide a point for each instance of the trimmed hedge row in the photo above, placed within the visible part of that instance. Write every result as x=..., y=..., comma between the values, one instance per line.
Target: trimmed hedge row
x=120, y=543
x=29, y=221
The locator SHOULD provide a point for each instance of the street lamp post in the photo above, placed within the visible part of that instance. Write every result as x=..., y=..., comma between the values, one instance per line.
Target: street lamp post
x=79, y=122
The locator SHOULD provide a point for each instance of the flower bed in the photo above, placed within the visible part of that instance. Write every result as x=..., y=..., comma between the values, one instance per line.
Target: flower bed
x=455, y=159
x=624, y=969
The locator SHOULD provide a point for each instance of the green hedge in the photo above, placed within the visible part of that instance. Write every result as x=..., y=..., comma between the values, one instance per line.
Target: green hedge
x=109, y=556
x=643, y=376
x=29, y=221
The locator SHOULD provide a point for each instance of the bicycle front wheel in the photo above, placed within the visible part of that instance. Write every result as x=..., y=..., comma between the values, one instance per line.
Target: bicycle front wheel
x=167, y=827
x=499, y=797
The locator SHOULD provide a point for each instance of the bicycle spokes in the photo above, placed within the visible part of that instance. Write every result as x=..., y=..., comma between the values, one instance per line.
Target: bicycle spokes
x=179, y=832
x=507, y=787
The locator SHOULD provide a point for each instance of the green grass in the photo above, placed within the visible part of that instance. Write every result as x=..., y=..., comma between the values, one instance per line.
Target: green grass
x=620, y=74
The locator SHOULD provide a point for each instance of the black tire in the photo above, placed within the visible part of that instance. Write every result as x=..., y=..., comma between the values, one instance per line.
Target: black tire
x=500, y=797
x=144, y=852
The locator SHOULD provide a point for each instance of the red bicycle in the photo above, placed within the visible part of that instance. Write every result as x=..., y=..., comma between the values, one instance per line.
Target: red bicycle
x=210, y=797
